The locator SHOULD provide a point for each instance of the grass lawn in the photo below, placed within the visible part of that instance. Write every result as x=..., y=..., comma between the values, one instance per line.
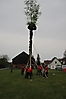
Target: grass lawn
x=15, y=86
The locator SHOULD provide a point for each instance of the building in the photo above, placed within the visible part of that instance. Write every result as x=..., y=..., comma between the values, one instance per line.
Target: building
x=63, y=60
x=53, y=64
x=22, y=59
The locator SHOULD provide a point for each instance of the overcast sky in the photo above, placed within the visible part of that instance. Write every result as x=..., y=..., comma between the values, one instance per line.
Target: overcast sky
x=50, y=37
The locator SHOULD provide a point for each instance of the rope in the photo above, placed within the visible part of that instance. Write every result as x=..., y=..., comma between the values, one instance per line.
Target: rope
x=35, y=51
x=35, y=48
x=34, y=62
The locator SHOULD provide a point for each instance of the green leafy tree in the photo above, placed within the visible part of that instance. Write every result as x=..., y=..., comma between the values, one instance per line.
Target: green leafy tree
x=32, y=11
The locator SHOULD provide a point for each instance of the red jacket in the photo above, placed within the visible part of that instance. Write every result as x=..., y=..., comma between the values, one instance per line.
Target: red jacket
x=29, y=70
x=45, y=69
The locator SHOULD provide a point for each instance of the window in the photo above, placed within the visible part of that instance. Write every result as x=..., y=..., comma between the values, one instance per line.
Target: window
x=55, y=62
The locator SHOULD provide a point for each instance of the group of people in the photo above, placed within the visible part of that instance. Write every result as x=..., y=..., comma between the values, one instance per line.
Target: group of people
x=44, y=73
x=28, y=71
x=40, y=71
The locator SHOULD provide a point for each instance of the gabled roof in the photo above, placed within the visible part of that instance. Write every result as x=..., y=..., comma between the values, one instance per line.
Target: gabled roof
x=63, y=60
x=50, y=61
x=54, y=59
x=21, y=58
x=47, y=62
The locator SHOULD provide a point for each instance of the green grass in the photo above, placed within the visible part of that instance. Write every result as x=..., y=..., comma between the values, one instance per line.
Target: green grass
x=15, y=86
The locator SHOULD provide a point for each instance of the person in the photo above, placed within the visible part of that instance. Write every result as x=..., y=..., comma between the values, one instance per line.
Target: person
x=45, y=71
x=22, y=69
x=11, y=68
x=39, y=70
x=26, y=73
x=29, y=72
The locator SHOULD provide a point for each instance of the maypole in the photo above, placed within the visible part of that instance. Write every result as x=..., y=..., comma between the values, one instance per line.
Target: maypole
x=32, y=12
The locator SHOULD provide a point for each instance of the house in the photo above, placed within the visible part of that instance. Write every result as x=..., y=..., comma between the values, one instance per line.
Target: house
x=63, y=60
x=22, y=58
x=53, y=64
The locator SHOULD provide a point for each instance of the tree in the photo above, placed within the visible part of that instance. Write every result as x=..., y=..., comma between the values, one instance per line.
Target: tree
x=5, y=57
x=4, y=61
x=32, y=12
x=64, y=53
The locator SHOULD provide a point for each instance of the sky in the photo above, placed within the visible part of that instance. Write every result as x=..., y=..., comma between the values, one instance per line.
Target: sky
x=49, y=40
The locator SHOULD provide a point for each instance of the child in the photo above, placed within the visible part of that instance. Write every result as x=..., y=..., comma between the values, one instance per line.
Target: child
x=45, y=74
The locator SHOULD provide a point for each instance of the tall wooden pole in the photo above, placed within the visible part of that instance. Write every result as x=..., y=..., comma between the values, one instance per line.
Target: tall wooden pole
x=31, y=27
x=30, y=45
x=32, y=12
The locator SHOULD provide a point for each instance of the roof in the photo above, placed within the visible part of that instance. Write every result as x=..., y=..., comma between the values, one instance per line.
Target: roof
x=47, y=62
x=50, y=61
x=54, y=59
x=21, y=58
x=62, y=60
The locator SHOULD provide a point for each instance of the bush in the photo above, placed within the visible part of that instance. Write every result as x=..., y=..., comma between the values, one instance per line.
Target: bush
x=4, y=63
